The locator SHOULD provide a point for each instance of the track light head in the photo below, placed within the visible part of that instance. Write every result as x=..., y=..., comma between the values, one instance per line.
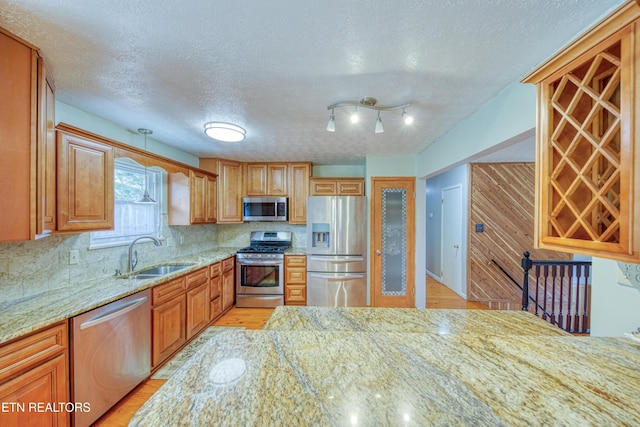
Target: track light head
x=379, y=128
x=407, y=118
x=354, y=116
x=331, y=126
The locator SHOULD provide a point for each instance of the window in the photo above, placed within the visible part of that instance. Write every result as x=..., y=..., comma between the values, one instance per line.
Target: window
x=132, y=219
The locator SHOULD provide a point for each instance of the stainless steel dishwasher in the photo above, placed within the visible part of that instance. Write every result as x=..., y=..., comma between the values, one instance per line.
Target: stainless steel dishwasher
x=111, y=349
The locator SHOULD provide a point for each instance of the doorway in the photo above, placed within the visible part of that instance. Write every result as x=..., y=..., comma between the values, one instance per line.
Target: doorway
x=451, y=243
x=393, y=241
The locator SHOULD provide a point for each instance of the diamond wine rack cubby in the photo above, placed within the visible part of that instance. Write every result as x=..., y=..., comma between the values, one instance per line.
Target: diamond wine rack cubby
x=588, y=170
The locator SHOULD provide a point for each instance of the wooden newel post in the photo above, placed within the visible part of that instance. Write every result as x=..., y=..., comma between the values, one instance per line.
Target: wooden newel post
x=526, y=266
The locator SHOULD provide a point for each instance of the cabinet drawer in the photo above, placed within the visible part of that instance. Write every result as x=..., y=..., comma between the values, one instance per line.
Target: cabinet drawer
x=215, y=269
x=166, y=291
x=295, y=276
x=197, y=278
x=228, y=263
x=323, y=188
x=295, y=295
x=29, y=351
x=295, y=260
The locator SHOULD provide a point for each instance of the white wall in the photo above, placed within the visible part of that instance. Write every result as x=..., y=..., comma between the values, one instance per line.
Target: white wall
x=355, y=171
x=404, y=166
x=615, y=308
x=83, y=120
x=505, y=117
x=433, y=218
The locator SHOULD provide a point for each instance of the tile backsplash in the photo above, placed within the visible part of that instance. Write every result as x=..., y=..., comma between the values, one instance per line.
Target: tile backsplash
x=32, y=267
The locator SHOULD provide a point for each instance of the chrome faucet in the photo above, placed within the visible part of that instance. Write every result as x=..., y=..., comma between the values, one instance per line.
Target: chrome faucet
x=133, y=255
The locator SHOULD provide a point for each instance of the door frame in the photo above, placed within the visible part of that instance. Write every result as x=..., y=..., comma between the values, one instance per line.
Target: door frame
x=462, y=287
x=375, y=264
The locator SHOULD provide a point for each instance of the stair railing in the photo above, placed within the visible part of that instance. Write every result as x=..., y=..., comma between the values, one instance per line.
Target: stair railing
x=561, y=294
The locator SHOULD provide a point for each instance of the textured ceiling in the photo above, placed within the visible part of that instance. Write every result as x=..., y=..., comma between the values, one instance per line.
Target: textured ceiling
x=274, y=66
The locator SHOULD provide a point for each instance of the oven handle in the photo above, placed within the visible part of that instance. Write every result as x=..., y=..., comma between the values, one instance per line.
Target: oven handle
x=265, y=262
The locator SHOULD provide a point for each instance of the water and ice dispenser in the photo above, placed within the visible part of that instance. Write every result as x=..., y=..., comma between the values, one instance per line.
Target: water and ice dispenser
x=320, y=235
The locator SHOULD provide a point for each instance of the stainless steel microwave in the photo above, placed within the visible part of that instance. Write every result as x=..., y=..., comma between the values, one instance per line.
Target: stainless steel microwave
x=264, y=209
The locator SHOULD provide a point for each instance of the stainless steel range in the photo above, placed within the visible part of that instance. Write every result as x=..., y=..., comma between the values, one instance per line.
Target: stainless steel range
x=260, y=270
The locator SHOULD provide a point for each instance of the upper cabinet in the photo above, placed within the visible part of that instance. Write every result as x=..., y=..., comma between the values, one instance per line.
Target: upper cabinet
x=192, y=199
x=337, y=187
x=299, y=174
x=26, y=123
x=266, y=179
x=588, y=167
x=229, y=188
x=85, y=183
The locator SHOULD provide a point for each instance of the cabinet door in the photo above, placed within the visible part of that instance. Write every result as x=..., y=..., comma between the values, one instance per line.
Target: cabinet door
x=168, y=328
x=228, y=289
x=42, y=385
x=350, y=187
x=298, y=191
x=17, y=140
x=85, y=184
x=229, y=192
x=197, y=197
x=323, y=187
x=46, y=153
x=256, y=177
x=197, y=309
x=211, y=199
x=277, y=179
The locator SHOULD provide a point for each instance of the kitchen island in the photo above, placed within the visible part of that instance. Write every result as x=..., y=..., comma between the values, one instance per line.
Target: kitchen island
x=391, y=377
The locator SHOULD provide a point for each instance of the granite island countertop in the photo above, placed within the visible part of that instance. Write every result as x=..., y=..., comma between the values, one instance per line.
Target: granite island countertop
x=21, y=316
x=438, y=321
x=317, y=378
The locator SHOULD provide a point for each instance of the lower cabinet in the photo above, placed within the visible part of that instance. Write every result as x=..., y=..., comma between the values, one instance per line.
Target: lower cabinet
x=34, y=377
x=183, y=307
x=228, y=283
x=168, y=326
x=295, y=280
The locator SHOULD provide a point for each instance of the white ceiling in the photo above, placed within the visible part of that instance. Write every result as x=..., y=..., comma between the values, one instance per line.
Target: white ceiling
x=274, y=66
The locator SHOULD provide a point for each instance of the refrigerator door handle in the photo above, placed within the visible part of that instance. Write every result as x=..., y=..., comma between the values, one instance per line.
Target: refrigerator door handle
x=336, y=259
x=331, y=277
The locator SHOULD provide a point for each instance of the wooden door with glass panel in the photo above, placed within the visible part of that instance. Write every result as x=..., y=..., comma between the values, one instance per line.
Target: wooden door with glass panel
x=393, y=242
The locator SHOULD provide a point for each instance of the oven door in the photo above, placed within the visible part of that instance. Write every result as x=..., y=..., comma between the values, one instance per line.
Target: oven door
x=260, y=277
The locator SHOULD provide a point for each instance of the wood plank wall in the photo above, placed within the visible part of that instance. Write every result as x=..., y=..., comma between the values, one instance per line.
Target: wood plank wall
x=501, y=198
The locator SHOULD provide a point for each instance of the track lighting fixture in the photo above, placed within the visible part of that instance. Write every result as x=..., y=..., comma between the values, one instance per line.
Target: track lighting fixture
x=370, y=103
x=379, y=128
x=331, y=126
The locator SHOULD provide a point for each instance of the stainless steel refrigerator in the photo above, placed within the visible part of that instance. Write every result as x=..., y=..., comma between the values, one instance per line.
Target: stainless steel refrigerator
x=336, y=251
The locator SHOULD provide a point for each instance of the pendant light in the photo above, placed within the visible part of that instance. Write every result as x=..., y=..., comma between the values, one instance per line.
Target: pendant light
x=145, y=197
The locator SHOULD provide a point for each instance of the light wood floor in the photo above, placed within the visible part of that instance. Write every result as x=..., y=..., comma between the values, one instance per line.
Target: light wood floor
x=438, y=296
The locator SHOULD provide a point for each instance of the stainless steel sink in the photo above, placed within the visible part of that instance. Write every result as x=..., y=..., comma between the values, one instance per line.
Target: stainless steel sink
x=157, y=271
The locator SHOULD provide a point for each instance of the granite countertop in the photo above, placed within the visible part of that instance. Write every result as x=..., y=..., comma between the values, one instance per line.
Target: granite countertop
x=438, y=321
x=21, y=316
x=318, y=378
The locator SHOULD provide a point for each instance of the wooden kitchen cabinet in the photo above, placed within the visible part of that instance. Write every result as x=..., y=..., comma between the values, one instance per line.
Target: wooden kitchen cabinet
x=266, y=179
x=229, y=191
x=228, y=283
x=85, y=183
x=198, y=305
x=299, y=174
x=215, y=290
x=588, y=165
x=192, y=198
x=336, y=186
x=168, y=319
x=295, y=280
x=27, y=142
x=34, y=369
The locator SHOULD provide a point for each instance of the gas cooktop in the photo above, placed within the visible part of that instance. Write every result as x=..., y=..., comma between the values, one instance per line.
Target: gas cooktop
x=269, y=242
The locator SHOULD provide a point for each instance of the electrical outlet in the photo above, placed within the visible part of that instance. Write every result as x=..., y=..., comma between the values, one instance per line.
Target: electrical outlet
x=628, y=274
x=169, y=241
x=74, y=257
x=182, y=240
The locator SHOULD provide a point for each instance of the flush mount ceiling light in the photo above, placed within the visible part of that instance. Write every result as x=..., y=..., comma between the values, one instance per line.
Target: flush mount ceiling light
x=225, y=132
x=372, y=104
x=145, y=197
